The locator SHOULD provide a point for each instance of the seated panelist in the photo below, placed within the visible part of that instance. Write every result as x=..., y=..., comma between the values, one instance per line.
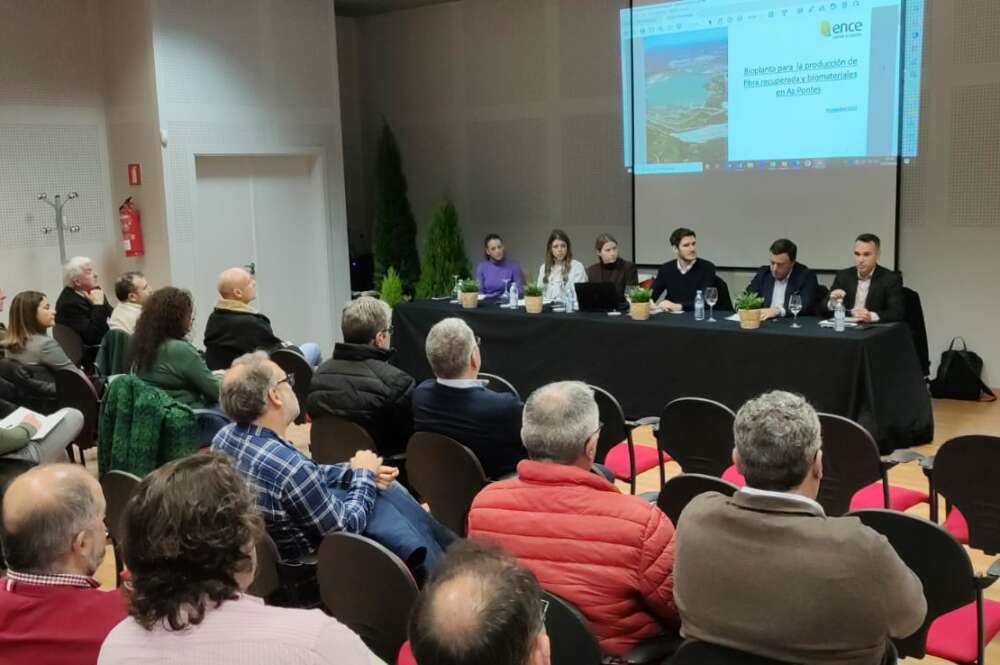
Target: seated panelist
x=782, y=278
x=870, y=292
x=683, y=278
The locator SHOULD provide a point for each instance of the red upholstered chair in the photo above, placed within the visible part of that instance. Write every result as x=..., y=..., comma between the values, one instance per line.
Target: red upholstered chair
x=961, y=472
x=698, y=434
x=959, y=621
x=615, y=448
x=405, y=656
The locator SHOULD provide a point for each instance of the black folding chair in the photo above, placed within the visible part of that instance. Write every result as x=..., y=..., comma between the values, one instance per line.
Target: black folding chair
x=698, y=434
x=75, y=389
x=964, y=472
x=368, y=589
x=294, y=363
x=694, y=652
x=333, y=440
x=447, y=475
x=725, y=300
x=615, y=447
x=265, y=579
x=70, y=342
x=498, y=384
x=677, y=492
x=118, y=488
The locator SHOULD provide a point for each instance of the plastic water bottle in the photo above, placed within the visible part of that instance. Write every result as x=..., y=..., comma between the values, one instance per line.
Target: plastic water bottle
x=699, y=307
x=839, y=314
x=512, y=296
x=567, y=305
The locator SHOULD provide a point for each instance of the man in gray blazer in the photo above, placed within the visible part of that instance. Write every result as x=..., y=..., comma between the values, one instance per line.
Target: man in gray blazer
x=767, y=572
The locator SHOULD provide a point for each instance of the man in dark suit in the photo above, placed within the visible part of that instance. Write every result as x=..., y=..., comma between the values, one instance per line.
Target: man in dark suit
x=82, y=305
x=458, y=405
x=870, y=292
x=782, y=278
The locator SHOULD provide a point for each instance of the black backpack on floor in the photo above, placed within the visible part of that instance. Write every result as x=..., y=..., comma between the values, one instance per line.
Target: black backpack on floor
x=958, y=375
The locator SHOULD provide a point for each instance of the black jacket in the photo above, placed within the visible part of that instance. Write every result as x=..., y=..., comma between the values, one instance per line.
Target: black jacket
x=21, y=385
x=359, y=384
x=801, y=280
x=87, y=320
x=229, y=334
x=885, y=295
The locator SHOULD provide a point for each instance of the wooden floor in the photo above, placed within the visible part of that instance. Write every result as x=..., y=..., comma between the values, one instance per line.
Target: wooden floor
x=952, y=418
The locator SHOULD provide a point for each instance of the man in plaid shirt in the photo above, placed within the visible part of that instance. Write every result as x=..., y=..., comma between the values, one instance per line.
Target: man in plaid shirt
x=303, y=501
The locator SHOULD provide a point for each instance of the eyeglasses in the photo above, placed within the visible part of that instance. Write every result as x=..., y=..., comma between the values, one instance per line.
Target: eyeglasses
x=479, y=340
x=387, y=331
x=289, y=379
x=545, y=609
x=597, y=431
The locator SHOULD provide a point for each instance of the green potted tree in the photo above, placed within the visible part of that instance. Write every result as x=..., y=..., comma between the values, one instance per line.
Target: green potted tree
x=395, y=227
x=533, y=298
x=639, y=298
x=444, y=254
x=391, y=288
x=469, y=293
x=748, y=304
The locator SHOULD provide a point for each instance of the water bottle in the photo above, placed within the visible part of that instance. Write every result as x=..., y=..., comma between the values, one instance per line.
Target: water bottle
x=839, y=314
x=513, y=295
x=699, y=307
x=564, y=296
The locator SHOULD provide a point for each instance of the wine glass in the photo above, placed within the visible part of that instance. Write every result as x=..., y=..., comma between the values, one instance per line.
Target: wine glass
x=455, y=290
x=711, y=297
x=795, y=306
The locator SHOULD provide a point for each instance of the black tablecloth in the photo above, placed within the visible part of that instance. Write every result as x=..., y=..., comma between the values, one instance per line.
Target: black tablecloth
x=870, y=375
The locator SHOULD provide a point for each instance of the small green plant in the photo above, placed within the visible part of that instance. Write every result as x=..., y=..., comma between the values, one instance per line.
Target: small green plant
x=748, y=300
x=468, y=286
x=391, y=288
x=640, y=294
x=533, y=290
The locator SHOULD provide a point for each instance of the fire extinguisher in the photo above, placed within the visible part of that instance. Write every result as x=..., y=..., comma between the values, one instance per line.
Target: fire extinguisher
x=131, y=223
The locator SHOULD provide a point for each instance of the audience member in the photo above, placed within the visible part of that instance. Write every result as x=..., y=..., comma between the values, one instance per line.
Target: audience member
x=189, y=543
x=302, y=501
x=683, y=278
x=479, y=607
x=782, y=278
x=560, y=268
x=235, y=328
x=458, y=405
x=496, y=272
x=609, y=554
x=132, y=291
x=17, y=443
x=359, y=383
x=3, y=328
x=27, y=340
x=870, y=292
x=610, y=267
x=766, y=571
x=82, y=305
x=51, y=611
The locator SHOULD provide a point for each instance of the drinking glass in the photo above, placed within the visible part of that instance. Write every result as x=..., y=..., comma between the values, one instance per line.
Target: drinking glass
x=711, y=297
x=795, y=306
x=455, y=289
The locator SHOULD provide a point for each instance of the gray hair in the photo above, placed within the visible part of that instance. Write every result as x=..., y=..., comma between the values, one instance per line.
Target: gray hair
x=74, y=268
x=449, y=346
x=244, y=396
x=364, y=318
x=45, y=534
x=777, y=437
x=558, y=420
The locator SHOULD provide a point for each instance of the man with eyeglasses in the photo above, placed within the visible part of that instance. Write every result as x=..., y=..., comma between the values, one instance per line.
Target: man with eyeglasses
x=567, y=525
x=359, y=383
x=302, y=501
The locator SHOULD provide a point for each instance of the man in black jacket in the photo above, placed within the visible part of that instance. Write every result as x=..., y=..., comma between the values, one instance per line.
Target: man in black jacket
x=359, y=384
x=870, y=292
x=782, y=278
x=82, y=305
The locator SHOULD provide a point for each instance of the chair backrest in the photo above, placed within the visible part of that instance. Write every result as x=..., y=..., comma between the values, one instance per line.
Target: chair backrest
x=614, y=431
x=698, y=434
x=118, y=488
x=75, y=389
x=69, y=341
x=913, y=314
x=498, y=384
x=570, y=639
x=446, y=474
x=367, y=588
x=112, y=355
x=677, y=492
x=694, y=652
x=850, y=462
x=935, y=557
x=965, y=473
x=725, y=302
x=333, y=439
x=295, y=363
x=265, y=579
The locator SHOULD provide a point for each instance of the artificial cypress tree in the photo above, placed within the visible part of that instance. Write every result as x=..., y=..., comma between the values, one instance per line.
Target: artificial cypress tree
x=443, y=255
x=395, y=228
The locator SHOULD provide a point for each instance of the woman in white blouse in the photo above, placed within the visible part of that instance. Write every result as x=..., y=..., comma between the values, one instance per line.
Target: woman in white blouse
x=560, y=267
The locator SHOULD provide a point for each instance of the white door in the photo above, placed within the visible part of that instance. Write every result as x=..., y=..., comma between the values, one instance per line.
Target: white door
x=268, y=211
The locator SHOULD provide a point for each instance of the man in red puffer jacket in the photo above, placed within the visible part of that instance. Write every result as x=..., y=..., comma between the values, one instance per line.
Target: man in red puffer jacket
x=609, y=554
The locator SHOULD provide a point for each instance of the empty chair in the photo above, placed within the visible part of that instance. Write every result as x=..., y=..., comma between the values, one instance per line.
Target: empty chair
x=679, y=490
x=333, y=440
x=964, y=471
x=615, y=447
x=118, y=488
x=959, y=621
x=70, y=342
x=698, y=434
x=694, y=652
x=75, y=389
x=367, y=588
x=446, y=474
x=498, y=384
x=266, y=579
x=295, y=364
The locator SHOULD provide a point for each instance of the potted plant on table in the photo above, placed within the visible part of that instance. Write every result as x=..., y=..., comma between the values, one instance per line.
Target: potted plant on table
x=749, y=304
x=639, y=298
x=469, y=293
x=533, y=298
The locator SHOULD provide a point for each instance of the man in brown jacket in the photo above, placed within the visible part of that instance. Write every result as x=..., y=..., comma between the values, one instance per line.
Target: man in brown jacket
x=767, y=572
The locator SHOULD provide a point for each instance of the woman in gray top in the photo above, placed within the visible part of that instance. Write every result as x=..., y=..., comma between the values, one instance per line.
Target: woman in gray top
x=27, y=340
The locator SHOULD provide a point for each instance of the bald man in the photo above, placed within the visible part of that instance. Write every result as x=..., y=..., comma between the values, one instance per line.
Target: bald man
x=51, y=611
x=235, y=327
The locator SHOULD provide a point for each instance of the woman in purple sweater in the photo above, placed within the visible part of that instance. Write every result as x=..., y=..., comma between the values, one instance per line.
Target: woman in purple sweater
x=496, y=272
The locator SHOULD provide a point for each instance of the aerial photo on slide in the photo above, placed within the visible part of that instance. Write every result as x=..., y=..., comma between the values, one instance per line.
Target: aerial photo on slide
x=686, y=97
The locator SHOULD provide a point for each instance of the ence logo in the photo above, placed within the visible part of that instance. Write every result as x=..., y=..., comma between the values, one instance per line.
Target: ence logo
x=850, y=28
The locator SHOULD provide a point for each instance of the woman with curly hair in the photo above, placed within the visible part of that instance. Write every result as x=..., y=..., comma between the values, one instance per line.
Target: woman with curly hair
x=189, y=534
x=162, y=357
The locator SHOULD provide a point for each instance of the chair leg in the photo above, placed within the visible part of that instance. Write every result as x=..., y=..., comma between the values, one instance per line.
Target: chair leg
x=980, y=638
x=886, y=499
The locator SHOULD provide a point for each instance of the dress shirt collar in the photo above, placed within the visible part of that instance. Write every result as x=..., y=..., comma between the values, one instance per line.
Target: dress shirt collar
x=683, y=269
x=54, y=579
x=791, y=496
x=462, y=383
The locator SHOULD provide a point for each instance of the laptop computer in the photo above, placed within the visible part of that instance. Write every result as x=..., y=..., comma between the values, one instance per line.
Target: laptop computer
x=597, y=296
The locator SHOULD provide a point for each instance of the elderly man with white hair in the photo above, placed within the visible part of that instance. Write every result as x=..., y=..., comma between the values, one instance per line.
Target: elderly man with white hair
x=766, y=571
x=82, y=305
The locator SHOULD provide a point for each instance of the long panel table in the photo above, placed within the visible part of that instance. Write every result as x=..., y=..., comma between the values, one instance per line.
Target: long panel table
x=870, y=375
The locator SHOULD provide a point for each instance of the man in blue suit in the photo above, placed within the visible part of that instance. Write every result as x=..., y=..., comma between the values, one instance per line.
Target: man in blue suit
x=783, y=277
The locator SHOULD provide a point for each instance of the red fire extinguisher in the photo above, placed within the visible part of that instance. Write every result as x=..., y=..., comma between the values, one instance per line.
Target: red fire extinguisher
x=131, y=222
